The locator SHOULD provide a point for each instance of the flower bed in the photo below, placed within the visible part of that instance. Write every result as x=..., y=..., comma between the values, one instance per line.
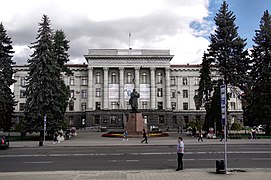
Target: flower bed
x=119, y=134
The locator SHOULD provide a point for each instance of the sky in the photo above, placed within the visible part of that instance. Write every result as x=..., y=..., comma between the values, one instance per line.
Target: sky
x=181, y=26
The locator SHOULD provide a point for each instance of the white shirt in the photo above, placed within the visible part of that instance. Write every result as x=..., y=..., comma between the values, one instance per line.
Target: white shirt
x=180, y=147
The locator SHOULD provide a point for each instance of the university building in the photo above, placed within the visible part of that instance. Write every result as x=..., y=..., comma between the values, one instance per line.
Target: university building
x=100, y=90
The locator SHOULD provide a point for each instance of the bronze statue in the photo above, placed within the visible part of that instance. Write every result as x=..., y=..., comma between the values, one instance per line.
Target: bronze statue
x=133, y=101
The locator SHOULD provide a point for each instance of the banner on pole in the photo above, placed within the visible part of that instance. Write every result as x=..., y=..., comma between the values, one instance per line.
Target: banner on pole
x=223, y=100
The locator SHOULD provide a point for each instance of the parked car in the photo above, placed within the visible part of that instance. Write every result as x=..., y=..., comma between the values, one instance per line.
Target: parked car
x=4, y=143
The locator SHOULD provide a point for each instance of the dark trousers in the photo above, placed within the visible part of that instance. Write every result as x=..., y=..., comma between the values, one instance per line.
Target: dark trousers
x=145, y=139
x=200, y=138
x=180, y=160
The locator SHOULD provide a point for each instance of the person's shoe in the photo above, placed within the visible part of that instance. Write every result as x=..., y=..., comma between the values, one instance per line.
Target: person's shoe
x=178, y=169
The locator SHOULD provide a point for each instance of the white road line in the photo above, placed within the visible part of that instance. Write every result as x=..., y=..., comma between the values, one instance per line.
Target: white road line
x=132, y=160
x=42, y=162
x=261, y=159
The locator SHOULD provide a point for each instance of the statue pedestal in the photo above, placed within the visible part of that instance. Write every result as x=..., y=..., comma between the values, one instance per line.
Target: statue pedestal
x=135, y=124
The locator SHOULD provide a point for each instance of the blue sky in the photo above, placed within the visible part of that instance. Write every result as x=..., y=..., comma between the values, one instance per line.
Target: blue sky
x=248, y=15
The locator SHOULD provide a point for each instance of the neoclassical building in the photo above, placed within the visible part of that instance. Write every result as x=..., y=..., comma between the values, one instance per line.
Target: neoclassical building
x=100, y=89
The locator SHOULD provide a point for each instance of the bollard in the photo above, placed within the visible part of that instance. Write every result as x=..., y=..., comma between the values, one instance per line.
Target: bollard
x=220, y=167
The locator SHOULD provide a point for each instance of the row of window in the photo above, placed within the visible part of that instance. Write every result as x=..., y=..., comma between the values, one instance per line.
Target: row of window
x=115, y=105
x=113, y=120
x=129, y=79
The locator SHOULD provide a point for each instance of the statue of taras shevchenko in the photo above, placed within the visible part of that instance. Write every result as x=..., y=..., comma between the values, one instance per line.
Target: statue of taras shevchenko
x=133, y=101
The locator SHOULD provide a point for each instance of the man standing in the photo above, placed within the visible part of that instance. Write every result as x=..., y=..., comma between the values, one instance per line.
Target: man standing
x=180, y=153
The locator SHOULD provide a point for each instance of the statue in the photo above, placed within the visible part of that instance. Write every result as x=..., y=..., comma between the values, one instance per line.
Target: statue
x=133, y=101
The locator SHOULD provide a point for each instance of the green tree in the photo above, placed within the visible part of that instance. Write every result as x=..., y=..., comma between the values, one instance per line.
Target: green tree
x=261, y=73
x=205, y=90
x=7, y=100
x=44, y=83
x=227, y=47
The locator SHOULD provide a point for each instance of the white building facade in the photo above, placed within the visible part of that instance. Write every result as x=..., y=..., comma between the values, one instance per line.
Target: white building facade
x=100, y=89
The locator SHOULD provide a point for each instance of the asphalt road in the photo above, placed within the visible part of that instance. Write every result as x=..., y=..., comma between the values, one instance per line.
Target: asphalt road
x=132, y=157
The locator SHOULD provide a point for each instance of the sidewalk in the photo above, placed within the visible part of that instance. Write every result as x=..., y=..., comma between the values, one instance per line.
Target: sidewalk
x=189, y=174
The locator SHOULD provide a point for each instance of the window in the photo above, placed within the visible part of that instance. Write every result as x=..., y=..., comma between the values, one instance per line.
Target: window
x=144, y=78
x=83, y=121
x=84, y=80
x=159, y=78
x=174, y=118
x=71, y=120
x=23, y=81
x=98, y=106
x=98, y=92
x=159, y=92
x=173, y=105
x=71, y=93
x=96, y=119
x=113, y=78
x=21, y=106
x=144, y=105
x=71, y=81
x=71, y=105
x=185, y=106
x=160, y=105
x=232, y=95
x=232, y=105
x=113, y=119
x=114, y=105
x=98, y=78
x=84, y=93
x=196, y=81
x=173, y=94
x=186, y=119
x=172, y=80
x=129, y=77
x=145, y=119
x=22, y=93
x=161, y=119
x=84, y=106
x=184, y=80
x=185, y=93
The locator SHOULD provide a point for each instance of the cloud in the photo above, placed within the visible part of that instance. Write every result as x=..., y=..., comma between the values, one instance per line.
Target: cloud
x=177, y=25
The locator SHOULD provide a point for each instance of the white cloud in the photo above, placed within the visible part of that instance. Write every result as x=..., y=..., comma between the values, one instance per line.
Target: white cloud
x=162, y=24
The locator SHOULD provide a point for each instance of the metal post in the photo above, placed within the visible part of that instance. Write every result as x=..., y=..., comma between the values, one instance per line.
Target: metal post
x=223, y=91
x=44, y=128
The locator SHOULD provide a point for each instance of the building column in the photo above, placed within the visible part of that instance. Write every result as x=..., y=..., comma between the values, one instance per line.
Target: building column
x=137, y=78
x=121, y=88
x=90, y=89
x=105, y=88
x=153, y=88
x=168, y=102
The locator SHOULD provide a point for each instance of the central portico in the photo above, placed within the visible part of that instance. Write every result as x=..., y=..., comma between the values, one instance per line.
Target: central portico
x=114, y=73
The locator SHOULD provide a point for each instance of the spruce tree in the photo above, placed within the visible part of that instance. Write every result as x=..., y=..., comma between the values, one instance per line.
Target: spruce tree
x=227, y=47
x=261, y=73
x=7, y=100
x=205, y=90
x=43, y=82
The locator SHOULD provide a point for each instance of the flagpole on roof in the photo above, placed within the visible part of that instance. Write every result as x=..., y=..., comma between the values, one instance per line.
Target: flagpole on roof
x=130, y=40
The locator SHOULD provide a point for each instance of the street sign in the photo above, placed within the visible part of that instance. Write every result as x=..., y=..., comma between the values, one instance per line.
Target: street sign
x=223, y=96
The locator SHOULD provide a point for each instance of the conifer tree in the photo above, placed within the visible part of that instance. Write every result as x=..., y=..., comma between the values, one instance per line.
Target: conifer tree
x=7, y=100
x=261, y=74
x=227, y=47
x=43, y=82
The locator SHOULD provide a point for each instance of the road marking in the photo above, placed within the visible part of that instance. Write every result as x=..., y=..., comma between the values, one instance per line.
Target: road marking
x=123, y=154
x=42, y=162
x=132, y=160
x=261, y=159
